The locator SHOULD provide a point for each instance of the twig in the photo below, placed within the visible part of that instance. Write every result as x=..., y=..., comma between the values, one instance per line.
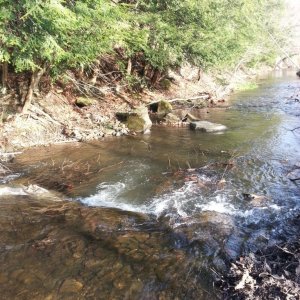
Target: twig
x=285, y=250
x=295, y=128
x=108, y=167
x=39, y=111
x=295, y=179
x=4, y=168
x=147, y=144
x=206, y=96
x=10, y=153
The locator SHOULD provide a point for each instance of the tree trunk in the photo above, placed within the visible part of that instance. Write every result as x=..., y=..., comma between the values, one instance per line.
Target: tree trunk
x=129, y=66
x=33, y=86
x=4, y=76
x=155, y=77
x=37, y=80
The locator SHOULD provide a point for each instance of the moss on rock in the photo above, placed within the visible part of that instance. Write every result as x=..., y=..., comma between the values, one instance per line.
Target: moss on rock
x=84, y=101
x=164, y=107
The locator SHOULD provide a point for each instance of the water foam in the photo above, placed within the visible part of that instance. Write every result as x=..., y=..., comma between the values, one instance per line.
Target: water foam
x=22, y=190
x=181, y=202
x=220, y=204
x=10, y=191
x=110, y=195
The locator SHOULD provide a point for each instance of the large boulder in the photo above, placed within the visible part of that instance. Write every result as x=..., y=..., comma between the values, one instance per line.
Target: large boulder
x=164, y=107
x=206, y=126
x=298, y=73
x=137, y=120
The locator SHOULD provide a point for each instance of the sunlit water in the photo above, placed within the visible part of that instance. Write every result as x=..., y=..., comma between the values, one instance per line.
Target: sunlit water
x=154, y=216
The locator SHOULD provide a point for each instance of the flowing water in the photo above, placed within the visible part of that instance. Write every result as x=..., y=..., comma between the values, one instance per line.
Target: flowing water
x=154, y=216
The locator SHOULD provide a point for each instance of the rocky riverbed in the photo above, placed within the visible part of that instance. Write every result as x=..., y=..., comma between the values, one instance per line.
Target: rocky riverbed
x=61, y=250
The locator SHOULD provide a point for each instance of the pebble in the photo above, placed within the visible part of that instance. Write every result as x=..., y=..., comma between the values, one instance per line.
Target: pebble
x=71, y=286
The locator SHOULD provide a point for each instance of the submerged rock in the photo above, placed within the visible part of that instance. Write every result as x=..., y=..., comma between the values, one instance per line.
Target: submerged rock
x=206, y=126
x=71, y=286
x=82, y=252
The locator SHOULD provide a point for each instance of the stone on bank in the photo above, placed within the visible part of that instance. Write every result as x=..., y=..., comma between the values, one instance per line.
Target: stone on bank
x=206, y=126
x=138, y=120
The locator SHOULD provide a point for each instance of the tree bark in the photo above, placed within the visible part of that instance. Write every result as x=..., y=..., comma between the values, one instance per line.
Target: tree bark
x=33, y=86
x=129, y=66
x=4, y=75
x=155, y=77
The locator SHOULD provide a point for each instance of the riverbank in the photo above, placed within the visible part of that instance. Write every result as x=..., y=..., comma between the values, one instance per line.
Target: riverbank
x=58, y=116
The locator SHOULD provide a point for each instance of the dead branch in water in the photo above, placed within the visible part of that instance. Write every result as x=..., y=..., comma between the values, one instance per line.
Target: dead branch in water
x=206, y=96
x=294, y=179
x=111, y=166
x=294, y=129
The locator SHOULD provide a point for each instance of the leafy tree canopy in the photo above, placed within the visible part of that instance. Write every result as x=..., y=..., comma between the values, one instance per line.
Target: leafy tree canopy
x=59, y=34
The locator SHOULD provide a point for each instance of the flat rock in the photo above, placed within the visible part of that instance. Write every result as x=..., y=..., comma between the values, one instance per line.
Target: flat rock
x=206, y=126
x=171, y=118
x=71, y=286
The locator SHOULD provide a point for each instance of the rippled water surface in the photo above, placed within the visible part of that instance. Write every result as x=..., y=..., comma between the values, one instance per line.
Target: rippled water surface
x=154, y=216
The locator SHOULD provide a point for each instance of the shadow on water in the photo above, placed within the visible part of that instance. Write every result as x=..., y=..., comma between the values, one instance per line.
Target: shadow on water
x=156, y=216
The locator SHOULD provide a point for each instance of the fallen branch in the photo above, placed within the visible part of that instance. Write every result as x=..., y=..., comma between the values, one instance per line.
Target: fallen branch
x=39, y=111
x=10, y=153
x=4, y=169
x=294, y=179
x=202, y=97
x=295, y=128
x=111, y=166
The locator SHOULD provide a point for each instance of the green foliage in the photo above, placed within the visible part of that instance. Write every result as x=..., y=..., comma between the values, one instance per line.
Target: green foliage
x=208, y=33
x=56, y=34
x=62, y=34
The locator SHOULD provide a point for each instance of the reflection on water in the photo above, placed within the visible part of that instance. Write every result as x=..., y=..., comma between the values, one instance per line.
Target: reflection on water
x=156, y=216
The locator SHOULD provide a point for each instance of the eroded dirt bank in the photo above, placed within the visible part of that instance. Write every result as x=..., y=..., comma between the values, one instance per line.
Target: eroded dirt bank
x=60, y=116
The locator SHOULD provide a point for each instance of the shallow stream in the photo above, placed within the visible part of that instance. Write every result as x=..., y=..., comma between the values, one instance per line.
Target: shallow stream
x=157, y=216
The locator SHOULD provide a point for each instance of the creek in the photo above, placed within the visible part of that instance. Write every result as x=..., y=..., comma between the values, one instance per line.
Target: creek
x=156, y=216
